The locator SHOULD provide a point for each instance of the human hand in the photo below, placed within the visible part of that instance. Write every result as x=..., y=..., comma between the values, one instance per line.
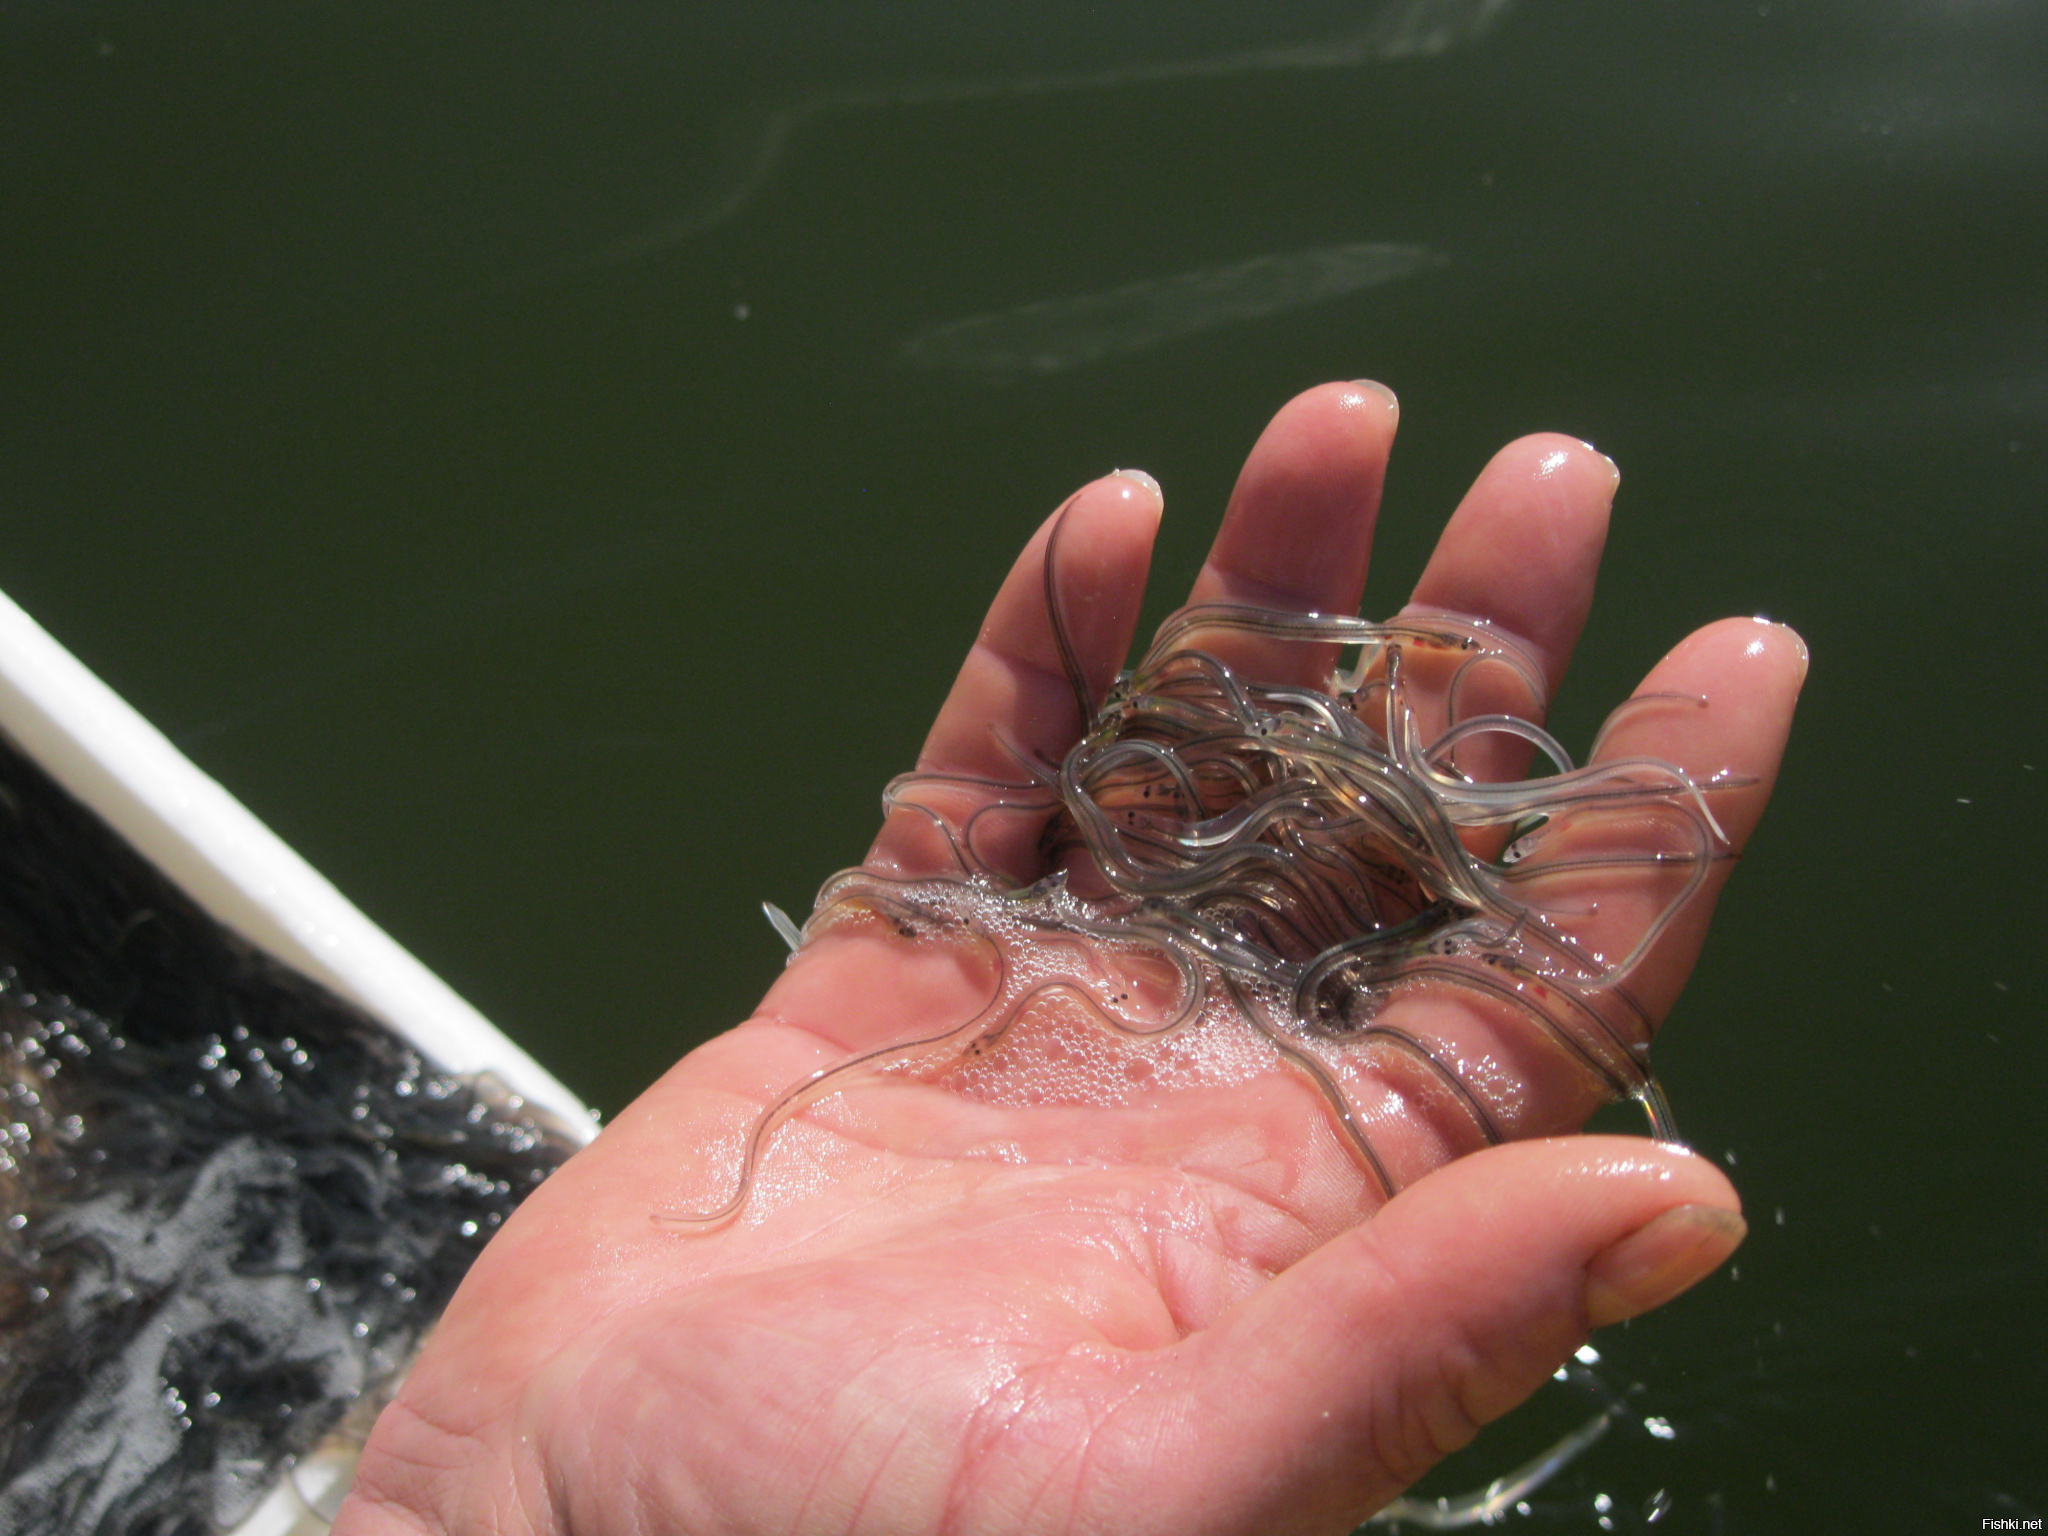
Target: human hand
x=939, y=1310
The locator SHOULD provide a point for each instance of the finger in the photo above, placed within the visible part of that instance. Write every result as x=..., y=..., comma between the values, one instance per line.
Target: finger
x=1349, y=1375
x=1521, y=552
x=1297, y=535
x=1013, y=704
x=1604, y=874
x=1524, y=545
x=1718, y=707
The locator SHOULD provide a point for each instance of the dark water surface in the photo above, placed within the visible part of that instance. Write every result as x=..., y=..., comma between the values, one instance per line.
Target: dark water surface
x=549, y=460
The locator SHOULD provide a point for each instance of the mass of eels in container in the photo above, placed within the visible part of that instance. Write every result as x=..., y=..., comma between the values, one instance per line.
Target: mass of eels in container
x=231, y=1203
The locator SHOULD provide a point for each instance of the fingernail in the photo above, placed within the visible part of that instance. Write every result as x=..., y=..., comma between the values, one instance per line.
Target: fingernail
x=1381, y=393
x=1797, y=639
x=1805, y=656
x=1658, y=1260
x=1139, y=477
x=1613, y=469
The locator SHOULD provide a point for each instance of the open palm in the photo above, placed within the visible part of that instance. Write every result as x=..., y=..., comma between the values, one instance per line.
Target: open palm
x=944, y=1311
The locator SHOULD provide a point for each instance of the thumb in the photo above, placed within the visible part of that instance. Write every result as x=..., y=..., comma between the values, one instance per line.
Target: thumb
x=1386, y=1349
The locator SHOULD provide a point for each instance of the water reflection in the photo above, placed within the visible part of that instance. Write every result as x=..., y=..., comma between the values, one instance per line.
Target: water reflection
x=1099, y=50
x=1056, y=334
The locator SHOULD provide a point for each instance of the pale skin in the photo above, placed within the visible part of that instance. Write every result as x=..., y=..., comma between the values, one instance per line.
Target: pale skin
x=1199, y=1317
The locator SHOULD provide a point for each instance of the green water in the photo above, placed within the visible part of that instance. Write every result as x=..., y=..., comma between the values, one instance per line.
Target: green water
x=533, y=456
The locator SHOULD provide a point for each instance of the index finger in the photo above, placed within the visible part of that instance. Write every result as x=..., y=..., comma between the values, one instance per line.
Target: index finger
x=1014, y=706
